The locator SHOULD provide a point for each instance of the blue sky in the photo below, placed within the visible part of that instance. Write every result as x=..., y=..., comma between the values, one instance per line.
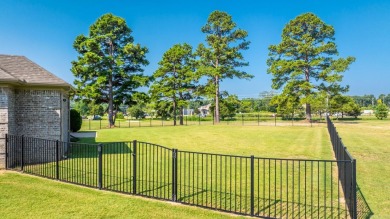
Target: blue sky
x=44, y=31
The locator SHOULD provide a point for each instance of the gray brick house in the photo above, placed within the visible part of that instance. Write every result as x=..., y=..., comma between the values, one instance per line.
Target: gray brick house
x=33, y=102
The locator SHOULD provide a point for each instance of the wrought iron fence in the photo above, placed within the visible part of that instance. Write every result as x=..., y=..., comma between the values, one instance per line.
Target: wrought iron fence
x=239, y=119
x=248, y=185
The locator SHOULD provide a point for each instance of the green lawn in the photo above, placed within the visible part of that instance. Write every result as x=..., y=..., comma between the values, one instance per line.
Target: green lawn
x=263, y=141
x=24, y=196
x=368, y=141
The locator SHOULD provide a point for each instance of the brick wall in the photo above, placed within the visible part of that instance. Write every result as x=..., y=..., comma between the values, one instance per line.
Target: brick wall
x=7, y=122
x=37, y=113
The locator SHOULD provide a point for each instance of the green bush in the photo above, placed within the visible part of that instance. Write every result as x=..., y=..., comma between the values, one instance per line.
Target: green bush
x=75, y=120
x=120, y=115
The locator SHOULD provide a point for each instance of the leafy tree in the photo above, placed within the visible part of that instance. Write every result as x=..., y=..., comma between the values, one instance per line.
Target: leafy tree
x=96, y=109
x=351, y=108
x=306, y=57
x=229, y=106
x=381, y=110
x=287, y=103
x=136, y=111
x=109, y=66
x=81, y=107
x=318, y=102
x=163, y=108
x=222, y=55
x=336, y=104
x=119, y=115
x=75, y=120
x=246, y=105
x=175, y=78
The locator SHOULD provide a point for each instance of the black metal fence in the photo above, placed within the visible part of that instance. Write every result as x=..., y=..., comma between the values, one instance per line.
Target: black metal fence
x=357, y=205
x=347, y=170
x=239, y=119
x=248, y=185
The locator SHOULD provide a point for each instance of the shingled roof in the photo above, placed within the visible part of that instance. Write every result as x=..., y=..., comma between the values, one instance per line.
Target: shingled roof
x=21, y=70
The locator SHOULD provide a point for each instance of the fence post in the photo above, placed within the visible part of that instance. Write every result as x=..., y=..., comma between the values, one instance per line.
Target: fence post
x=199, y=119
x=6, y=151
x=100, y=166
x=186, y=119
x=89, y=123
x=354, y=189
x=57, y=161
x=258, y=119
x=22, y=155
x=252, y=185
x=242, y=119
x=150, y=122
x=135, y=167
x=129, y=123
x=174, y=175
x=275, y=118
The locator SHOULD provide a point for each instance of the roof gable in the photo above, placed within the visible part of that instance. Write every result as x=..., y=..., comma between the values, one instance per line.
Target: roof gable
x=20, y=68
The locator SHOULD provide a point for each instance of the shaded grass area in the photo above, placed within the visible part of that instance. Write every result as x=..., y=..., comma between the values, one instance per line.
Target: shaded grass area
x=23, y=196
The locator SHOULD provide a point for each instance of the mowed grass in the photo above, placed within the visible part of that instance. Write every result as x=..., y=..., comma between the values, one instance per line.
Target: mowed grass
x=260, y=141
x=24, y=196
x=368, y=141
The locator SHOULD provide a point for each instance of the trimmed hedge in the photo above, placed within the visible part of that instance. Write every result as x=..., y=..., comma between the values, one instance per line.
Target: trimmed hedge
x=75, y=120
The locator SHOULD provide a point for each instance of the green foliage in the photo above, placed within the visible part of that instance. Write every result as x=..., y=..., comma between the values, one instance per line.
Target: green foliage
x=96, y=109
x=381, y=111
x=109, y=66
x=305, y=61
x=229, y=106
x=82, y=107
x=75, y=120
x=222, y=55
x=136, y=112
x=351, y=108
x=175, y=78
x=119, y=115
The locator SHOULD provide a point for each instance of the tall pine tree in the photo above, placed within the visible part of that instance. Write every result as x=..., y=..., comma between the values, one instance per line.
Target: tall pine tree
x=222, y=55
x=109, y=66
x=175, y=78
x=306, y=59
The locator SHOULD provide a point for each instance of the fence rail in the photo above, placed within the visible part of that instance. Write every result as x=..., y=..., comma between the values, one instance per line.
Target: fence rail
x=248, y=185
x=346, y=170
x=239, y=119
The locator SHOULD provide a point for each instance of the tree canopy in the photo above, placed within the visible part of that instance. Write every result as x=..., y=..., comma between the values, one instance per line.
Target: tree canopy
x=305, y=61
x=222, y=55
x=109, y=66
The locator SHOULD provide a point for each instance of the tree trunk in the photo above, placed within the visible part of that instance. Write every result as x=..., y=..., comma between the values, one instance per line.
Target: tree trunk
x=216, y=110
x=308, y=112
x=181, y=115
x=174, y=111
x=110, y=102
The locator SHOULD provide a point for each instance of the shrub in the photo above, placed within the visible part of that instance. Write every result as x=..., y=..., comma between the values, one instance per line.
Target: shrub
x=75, y=120
x=381, y=111
x=119, y=115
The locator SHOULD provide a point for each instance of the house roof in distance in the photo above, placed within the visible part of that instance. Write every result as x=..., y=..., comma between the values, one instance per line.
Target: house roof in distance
x=21, y=70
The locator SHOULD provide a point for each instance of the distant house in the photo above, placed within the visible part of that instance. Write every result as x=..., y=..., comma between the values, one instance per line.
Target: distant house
x=368, y=112
x=204, y=110
x=33, y=102
x=188, y=112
